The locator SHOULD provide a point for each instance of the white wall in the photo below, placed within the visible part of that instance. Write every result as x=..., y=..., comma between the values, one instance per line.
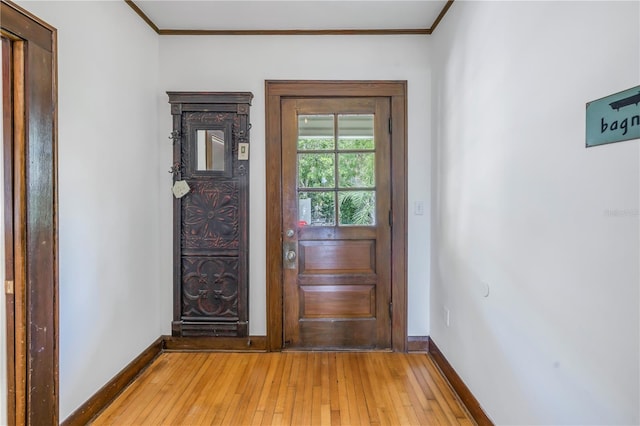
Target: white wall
x=552, y=227
x=109, y=168
x=243, y=64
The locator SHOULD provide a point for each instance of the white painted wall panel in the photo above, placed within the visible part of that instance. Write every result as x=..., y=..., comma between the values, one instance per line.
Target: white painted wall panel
x=551, y=227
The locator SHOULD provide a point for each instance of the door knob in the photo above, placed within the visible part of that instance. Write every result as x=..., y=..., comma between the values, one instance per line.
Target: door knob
x=289, y=254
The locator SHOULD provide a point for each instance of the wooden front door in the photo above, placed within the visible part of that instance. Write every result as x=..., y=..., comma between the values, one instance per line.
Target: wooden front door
x=336, y=210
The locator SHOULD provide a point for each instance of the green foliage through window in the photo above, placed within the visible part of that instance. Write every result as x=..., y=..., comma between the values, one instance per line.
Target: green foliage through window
x=354, y=170
x=357, y=207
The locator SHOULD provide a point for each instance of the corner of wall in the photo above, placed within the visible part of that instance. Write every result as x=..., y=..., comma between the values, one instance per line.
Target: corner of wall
x=521, y=211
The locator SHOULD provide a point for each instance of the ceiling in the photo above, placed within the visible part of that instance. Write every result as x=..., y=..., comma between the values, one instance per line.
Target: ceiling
x=294, y=16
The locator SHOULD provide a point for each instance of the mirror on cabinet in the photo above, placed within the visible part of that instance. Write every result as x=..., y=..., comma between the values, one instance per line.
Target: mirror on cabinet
x=210, y=150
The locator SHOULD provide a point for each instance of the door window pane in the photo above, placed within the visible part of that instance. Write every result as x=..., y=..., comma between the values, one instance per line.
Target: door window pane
x=345, y=172
x=316, y=171
x=357, y=207
x=315, y=132
x=355, y=131
x=321, y=208
x=356, y=170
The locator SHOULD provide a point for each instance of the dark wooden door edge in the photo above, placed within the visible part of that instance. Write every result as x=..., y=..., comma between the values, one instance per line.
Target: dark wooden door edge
x=103, y=397
x=7, y=128
x=465, y=395
x=37, y=243
x=275, y=90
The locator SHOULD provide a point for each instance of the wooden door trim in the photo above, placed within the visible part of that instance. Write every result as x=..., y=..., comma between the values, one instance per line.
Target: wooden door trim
x=8, y=82
x=396, y=91
x=36, y=236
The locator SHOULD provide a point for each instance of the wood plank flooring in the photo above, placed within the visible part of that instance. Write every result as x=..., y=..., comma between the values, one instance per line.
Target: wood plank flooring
x=287, y=388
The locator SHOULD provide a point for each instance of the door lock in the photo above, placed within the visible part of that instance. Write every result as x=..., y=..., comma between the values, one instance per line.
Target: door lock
x=289, y=255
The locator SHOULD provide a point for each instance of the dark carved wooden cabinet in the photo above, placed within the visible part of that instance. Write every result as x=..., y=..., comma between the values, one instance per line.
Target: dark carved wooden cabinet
x=211, y=237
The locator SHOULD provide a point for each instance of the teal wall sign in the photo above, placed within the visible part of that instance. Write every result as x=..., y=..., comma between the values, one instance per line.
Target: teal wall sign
x=614, y=118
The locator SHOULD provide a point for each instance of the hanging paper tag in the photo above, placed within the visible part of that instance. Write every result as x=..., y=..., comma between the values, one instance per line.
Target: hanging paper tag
x=180, y=188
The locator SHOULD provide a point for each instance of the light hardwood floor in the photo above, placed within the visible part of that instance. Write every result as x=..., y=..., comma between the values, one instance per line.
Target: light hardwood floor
x=288, y=388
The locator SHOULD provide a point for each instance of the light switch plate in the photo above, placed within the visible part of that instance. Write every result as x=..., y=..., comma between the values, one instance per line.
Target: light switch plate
x=243, y=151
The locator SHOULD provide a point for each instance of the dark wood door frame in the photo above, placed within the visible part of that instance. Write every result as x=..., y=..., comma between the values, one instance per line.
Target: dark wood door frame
x=33, y=400
x=396, y=91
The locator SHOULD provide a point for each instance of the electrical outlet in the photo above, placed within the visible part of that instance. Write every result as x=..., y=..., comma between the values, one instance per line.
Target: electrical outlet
x=447, y=316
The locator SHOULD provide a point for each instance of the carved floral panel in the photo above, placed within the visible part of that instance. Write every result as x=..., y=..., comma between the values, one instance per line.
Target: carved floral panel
x=210, y=216
x=210, y=287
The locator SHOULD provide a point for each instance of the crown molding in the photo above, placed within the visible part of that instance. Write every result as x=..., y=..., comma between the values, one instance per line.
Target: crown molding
x=400, y=31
